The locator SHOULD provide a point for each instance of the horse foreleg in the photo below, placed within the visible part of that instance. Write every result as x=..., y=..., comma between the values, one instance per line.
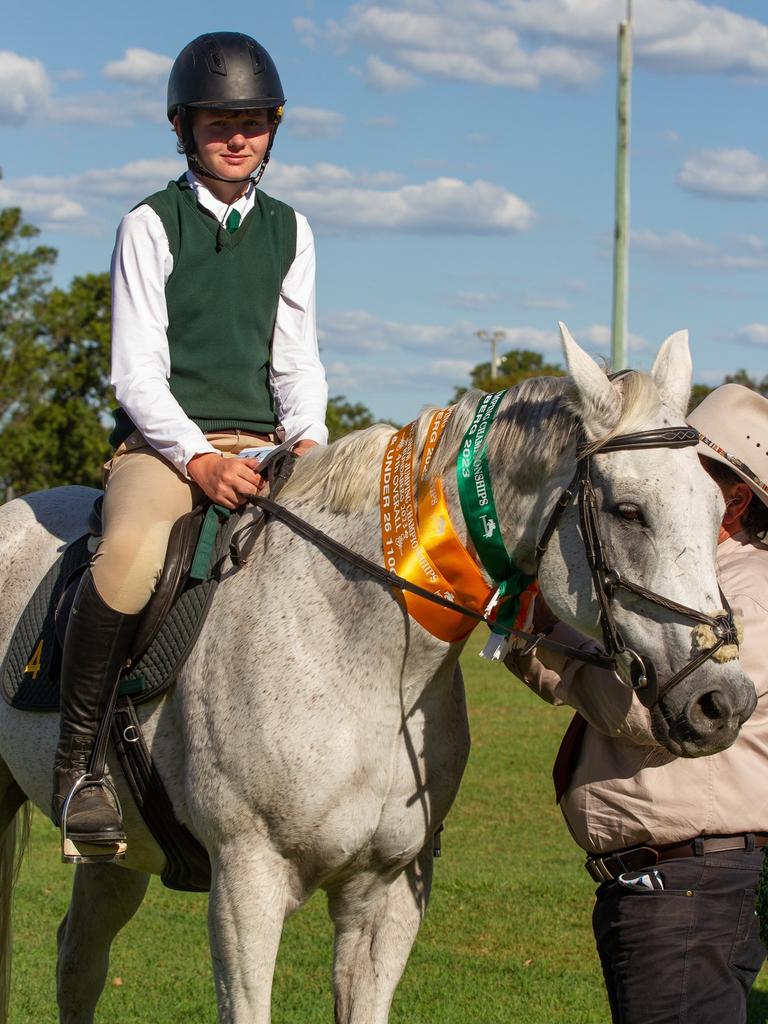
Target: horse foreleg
x=104, y=898
x=246, y=911
x=376, y=921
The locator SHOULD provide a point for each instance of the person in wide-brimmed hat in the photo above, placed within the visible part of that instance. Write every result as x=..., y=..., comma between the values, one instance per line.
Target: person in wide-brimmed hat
x=677, y=844
x=733, y=424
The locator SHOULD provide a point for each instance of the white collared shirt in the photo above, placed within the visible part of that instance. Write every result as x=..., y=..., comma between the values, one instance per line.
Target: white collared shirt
x=141, y=363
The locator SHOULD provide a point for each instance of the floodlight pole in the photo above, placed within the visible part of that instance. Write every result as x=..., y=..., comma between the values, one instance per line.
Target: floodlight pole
x=494, y=340
x=621, y=236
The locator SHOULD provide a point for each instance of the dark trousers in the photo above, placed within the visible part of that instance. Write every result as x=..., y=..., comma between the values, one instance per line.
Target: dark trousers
x=687, y=954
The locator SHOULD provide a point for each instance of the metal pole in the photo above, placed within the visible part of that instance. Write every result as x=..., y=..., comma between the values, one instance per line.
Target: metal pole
x=494, y=340
x=621, y=237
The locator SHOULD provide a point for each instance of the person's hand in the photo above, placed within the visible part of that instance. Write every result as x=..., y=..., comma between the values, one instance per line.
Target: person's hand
x=302, y=447
x=228, y=482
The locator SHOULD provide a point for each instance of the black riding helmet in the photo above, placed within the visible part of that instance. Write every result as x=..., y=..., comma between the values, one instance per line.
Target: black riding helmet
x=223, y=71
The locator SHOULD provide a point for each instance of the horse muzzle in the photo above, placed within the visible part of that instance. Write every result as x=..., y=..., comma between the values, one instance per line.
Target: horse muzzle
x=704, y=713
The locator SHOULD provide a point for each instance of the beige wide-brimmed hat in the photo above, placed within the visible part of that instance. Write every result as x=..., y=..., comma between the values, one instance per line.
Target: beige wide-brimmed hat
x=733, y=423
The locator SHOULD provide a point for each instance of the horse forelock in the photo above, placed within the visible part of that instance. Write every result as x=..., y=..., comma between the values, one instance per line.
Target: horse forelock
x=640, y=402
x=536, y=420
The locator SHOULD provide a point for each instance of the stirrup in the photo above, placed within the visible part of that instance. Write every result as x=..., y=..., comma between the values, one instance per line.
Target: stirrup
x=80, y=852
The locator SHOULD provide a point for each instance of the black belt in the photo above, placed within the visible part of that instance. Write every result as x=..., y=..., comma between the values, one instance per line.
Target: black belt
x=608, y=867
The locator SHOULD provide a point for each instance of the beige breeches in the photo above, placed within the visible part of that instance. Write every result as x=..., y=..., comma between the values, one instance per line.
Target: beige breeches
x=144, y=496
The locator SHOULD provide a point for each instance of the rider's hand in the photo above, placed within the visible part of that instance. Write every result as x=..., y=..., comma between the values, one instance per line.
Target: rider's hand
x=229, y=482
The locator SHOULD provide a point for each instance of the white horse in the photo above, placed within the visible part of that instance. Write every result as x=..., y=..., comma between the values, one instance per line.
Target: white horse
x=317, y=735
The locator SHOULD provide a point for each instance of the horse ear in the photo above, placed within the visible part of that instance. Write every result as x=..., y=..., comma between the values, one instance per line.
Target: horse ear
x=598, y=403
x=672, y=373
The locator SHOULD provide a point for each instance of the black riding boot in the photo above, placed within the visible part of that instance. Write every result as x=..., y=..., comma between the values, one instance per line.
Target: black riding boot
x=95, y=649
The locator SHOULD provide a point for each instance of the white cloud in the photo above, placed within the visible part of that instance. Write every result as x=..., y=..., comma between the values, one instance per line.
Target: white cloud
x=753, y=334
x=24, y=87
x=726, y=173
x=307, y=31
x=473, y=300
x=313, y=122
x=595, y=334
x=596, y=338
x=53, y=209
x=385, y=77
x=78, y=201
x=742, y=252
x=470, y=42
x=354, y=331
x=335, y=199
x=337, y=202
x=99, y=108
x=524, y=43
x=139, y=67
x=545, y=302
x=27, y=94
x=686, y=35
x=365, y=355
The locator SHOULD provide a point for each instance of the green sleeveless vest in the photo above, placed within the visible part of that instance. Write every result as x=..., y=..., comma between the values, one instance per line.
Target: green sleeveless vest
x=222, y=300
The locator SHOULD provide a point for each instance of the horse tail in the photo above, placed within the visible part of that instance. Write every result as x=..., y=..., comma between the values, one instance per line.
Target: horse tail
x=13, y=842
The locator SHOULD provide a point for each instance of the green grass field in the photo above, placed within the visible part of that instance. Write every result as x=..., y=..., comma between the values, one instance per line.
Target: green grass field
x=507, y=938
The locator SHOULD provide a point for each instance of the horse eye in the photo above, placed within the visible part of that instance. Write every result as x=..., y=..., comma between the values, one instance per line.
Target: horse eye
x=629, y=513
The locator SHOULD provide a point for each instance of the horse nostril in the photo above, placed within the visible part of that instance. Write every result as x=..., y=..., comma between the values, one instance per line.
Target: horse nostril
x=712, y=707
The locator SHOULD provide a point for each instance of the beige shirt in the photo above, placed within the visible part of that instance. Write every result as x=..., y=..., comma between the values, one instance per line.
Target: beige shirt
x=627, y=789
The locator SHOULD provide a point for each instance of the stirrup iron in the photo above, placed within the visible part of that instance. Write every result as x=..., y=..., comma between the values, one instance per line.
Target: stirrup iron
x=76, y=851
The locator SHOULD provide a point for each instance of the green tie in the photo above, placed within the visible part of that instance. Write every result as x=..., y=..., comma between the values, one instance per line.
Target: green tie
x=233, y=221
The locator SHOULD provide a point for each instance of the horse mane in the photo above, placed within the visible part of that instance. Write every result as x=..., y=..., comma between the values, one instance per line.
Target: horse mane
x=536, y=421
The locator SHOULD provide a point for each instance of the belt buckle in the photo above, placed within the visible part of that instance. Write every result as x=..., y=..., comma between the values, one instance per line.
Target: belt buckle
x=597, y=867
x=597, y=870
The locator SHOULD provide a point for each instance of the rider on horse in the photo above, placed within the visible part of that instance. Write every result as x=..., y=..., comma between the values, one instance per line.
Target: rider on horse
x=214, y=351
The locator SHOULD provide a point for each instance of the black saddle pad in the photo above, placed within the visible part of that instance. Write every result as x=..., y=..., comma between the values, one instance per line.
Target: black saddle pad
x=29, y=679
x=30, y=673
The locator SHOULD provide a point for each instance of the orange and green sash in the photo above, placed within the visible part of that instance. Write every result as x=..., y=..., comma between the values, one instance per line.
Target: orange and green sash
x=419, y=540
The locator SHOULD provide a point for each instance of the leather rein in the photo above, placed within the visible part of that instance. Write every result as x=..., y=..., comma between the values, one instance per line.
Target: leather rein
x=606, y=580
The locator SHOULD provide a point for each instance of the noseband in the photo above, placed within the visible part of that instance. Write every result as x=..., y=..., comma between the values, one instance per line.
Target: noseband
x=608, y=580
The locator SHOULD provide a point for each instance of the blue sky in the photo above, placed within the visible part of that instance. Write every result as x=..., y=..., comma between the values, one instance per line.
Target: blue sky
x=455, y=159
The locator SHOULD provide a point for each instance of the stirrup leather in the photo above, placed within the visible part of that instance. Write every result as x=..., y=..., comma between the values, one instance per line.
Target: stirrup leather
x=80, y=851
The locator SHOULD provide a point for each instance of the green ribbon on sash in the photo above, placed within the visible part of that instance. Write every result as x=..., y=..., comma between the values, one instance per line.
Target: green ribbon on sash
x=481, y=517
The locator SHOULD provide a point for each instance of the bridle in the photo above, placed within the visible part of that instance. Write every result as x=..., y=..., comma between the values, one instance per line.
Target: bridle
x=607, y=580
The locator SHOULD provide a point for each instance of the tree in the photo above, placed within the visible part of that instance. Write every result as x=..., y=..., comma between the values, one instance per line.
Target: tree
x=742, y=377
x=700, y=391
x=24, y=280
x=514, y=366
x=54, y=372
x=61, y=438
x=343, y=417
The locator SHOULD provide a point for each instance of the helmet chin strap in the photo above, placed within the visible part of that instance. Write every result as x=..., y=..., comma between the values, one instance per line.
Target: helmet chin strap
x=199, y=167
